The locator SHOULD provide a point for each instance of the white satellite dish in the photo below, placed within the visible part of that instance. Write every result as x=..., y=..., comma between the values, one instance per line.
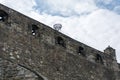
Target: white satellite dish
x=57, y=27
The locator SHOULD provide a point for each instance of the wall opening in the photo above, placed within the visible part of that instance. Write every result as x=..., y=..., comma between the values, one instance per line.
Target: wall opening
x=34, y=29
x=3, y=15
x=81, y=51
x=99, y=58
x=60, y=41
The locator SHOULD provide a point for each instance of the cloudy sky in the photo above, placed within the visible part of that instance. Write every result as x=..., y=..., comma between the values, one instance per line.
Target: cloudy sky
x=93, y=22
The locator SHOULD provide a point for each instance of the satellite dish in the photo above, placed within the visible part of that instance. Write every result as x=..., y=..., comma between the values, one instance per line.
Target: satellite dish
x=57, y=27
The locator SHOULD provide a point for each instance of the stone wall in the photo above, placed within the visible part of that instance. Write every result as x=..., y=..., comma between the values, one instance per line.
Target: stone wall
x=45, y=54
x=13, y=71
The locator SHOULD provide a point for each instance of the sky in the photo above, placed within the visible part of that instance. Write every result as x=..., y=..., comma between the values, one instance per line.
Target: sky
x=93, y=22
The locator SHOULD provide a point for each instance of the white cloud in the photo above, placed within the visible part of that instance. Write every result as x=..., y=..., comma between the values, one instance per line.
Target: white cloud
x=23, y=6
x=66, y=7
x=98, y=29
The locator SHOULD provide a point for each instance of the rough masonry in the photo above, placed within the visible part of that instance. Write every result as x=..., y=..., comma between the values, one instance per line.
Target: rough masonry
x=30, y=50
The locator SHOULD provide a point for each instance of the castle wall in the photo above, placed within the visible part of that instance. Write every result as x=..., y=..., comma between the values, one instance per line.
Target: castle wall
x=50, y=53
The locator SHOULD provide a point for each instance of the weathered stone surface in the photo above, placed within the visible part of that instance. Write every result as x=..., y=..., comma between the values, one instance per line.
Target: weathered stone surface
x=30, y=50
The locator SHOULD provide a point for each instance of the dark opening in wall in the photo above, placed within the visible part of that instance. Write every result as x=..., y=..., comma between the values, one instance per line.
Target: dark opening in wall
x=34, y=29
x=60, y=41
x=3, y=15
x=99, y=58
x=81, y=51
